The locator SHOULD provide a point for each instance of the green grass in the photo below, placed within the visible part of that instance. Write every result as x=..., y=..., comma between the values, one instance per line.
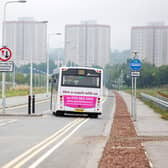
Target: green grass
x=164, y=91
x=152, y=92
x=22, y=91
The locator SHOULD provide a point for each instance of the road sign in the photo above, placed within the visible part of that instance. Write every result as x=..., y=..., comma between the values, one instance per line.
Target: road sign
x=5, y=54
x=135, y=64
x=6, y=66
x=135, y=73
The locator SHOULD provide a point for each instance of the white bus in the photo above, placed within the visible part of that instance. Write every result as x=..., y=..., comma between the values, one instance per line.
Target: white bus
x=77, y=90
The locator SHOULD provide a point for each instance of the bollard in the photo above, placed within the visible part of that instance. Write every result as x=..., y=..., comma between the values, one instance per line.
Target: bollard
x=33, y=104
x=29, y=104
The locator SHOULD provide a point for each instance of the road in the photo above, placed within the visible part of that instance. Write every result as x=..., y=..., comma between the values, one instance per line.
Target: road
x=50, y=141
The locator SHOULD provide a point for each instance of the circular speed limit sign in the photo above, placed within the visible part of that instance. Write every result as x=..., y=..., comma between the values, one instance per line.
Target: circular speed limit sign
x=5, y=54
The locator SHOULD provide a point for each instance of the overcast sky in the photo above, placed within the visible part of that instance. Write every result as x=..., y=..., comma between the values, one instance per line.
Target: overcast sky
x=121, y=15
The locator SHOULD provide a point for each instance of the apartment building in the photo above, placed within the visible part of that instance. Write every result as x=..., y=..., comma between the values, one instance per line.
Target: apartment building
x=151, y=43
x=87, y=44
x=27, y=39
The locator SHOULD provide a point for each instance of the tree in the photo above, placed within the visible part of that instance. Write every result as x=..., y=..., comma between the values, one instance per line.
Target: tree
x=163, y=74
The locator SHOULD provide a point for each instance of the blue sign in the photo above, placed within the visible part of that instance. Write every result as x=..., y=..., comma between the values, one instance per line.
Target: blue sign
x=135, y=64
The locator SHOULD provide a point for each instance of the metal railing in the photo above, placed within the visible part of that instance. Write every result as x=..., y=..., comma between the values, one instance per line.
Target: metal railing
x=161, y=103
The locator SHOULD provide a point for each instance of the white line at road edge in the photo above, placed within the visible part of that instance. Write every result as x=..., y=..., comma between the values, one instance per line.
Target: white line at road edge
x=7, y=122
x=42, y=158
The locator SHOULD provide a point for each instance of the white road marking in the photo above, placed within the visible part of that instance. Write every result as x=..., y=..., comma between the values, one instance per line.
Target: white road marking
x=42, y=158
x=6, y=122
x=23, y=158
x=21, y=163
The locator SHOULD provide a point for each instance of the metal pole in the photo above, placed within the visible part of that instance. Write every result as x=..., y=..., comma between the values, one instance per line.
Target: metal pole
x=132, y=97
x=31, y=84
x=3, y=91
x=14, y=73
x=51, y=102
x=135, y=101
x=3, y=73
x=86, y=43
x=35, y=84
x=47, y=68
x=4, y=44
x=39, y=80
x=48, y=46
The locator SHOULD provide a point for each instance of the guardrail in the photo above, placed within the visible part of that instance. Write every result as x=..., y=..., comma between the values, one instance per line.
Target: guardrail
x=162, y=98
x=156, y=100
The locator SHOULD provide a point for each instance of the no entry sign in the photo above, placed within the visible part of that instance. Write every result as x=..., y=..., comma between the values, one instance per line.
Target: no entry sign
x=5, y=54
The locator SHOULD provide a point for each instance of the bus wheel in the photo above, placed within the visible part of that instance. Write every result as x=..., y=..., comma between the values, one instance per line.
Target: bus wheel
x=54, y=113
x=93, y=115
x=59, y=113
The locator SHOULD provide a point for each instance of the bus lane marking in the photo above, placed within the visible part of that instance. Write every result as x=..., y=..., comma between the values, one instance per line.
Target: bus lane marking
x=30, y=153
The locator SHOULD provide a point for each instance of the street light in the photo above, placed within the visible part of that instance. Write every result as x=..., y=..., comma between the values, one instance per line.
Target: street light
x=8, y=2
x=49, y=36
x=4, y=44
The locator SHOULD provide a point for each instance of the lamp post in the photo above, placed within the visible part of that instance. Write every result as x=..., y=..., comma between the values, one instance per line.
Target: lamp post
x=4, y=44
x=49, y=36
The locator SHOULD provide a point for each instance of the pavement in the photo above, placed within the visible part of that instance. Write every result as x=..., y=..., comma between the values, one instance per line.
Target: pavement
x=149, y=124
x=22, y=101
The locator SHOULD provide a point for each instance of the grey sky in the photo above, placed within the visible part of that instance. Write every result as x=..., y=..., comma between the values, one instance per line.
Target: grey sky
x=121, y=15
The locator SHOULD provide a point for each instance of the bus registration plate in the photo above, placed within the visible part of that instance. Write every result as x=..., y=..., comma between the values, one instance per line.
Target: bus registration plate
x=79, y=110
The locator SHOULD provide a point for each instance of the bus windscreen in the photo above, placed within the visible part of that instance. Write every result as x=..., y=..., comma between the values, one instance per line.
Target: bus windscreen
x=81, y=79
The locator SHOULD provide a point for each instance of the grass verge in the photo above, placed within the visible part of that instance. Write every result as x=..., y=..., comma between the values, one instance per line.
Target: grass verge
x=22, y=91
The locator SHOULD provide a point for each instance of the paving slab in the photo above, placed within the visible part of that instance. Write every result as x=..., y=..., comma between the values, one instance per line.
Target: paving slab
x=157, y=152
x=149, y=123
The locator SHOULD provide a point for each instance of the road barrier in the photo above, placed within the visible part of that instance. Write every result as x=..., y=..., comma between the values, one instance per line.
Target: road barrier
x=161, y=103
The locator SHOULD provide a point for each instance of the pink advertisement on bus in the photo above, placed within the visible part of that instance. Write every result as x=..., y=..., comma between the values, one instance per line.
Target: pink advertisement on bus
x=79, y=101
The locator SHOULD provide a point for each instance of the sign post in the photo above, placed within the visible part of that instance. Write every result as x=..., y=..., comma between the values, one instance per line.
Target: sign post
x=5, y=56
x=135, y=66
